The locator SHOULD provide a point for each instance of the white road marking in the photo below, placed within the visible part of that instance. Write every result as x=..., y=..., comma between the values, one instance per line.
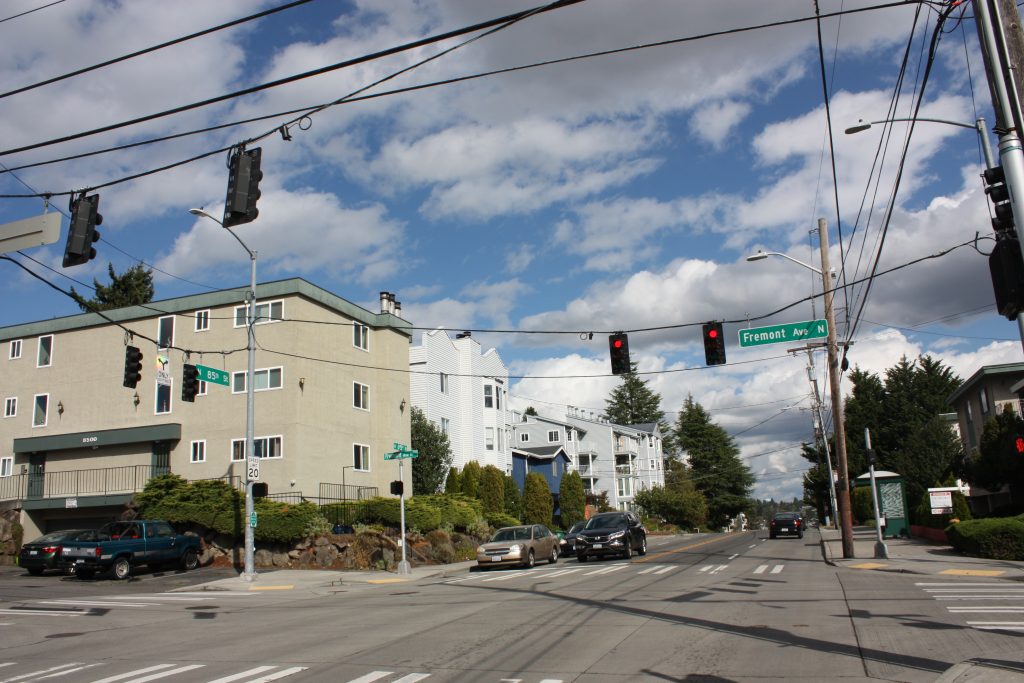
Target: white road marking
x=371, y=677
x=979, y=597
x=1015, y=624
x=650, y=569
x=974, y=590
x=283, y=673
x=607, y=570
x=40, y=672
x=503, y=577
x=121, y=677
x=761, y=569
x=706, y=567
x=65, y=673
x=719, y=568
x=243, y=674
x=993, y=609
x=990, y=584
x=733, y=557
x=164, y=674
x=754, y=546
x=412, y=678
x=565, y=572
x=97, y=603
x=665, y=570
x=41, y=613
x=777, y=568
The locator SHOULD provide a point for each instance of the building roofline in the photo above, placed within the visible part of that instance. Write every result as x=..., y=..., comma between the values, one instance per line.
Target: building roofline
x=988, y=370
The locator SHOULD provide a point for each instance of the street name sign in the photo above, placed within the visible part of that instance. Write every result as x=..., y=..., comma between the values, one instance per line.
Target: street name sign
x=30, y=232
x=213, y=375
x=401, y=455
x=787, y=332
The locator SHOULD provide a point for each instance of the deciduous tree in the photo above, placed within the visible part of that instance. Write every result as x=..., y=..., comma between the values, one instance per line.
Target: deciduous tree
x=430, y=468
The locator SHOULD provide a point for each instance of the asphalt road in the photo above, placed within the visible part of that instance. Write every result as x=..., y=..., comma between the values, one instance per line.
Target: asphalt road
x=720, y=608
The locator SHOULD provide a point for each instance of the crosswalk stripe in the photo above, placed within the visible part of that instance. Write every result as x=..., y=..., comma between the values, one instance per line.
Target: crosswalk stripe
x=705, y=568
x=607, y=570
x=69, y=671
x=719, y=568
x=777, y=568
x=650, y=570
x=121, y=677
x=97, y=603
x=957, y=584
x=733, y=557
x=412, y=678
x=40, y=672
x=994, y=609
x=164, y=674
x=371, y=677
x=42, y=612
x=996, y=623
x=665, y=570
x=279, y=674
x=243, y=674
x=761, y=569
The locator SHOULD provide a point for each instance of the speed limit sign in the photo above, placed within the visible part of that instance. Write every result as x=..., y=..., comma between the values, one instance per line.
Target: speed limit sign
x=254, y=469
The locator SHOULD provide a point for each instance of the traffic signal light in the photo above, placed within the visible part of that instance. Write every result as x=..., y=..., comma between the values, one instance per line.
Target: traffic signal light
x=132, y=366
x=1018, y=444
x=82, y=230
x=999, y=193
x=714, y=344
x=189, y=382
x=397, y=487
x=244, y=176
x=1006, y=266
x=618, y=351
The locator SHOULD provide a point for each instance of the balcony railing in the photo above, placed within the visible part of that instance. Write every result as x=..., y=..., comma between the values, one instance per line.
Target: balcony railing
x=626, y=446
x=74, y=483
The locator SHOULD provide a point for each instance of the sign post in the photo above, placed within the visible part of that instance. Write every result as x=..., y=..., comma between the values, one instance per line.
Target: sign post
x=401, y=454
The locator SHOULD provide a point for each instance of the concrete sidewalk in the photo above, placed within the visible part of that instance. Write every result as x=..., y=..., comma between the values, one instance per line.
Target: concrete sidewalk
x=914, y=556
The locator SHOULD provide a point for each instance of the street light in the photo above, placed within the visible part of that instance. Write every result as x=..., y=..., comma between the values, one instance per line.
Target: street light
x=978, y=125
x=250, y=439
x=846, y=521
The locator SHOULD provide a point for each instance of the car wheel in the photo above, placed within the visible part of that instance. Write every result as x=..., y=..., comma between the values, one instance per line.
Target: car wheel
x=554, y=555
x=190, y=560
x=642, y=550
x=530, y=560
x=580, y=556
x=122, y=568
x=627, y=553
x=35, y=571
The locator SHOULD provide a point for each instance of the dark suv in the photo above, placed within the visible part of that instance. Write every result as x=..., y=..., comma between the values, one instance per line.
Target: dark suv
x=612, y=533
x=789, y=523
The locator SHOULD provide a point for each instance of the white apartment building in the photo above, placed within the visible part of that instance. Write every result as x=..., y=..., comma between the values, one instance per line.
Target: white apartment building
x=465, y=393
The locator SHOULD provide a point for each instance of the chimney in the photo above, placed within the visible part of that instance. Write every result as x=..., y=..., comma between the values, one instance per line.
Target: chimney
x=385, y=301
x=398, y=308
x=464, y=335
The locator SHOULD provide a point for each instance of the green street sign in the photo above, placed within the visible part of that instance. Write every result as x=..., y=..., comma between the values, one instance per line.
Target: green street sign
x=788, y=332
x=399, y=446
x=213, y=375
x=401, y=455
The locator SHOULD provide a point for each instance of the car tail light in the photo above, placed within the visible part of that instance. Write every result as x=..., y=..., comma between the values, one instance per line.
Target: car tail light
x=98, y=551
x=52, y=549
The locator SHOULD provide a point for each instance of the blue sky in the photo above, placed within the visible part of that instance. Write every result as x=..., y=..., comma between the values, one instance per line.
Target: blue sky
x=619, y=192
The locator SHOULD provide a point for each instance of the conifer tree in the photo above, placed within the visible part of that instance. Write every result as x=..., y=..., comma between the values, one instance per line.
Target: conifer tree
x=538, y=505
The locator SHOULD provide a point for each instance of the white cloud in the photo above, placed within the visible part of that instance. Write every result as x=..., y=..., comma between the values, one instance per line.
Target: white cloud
x=714, y=121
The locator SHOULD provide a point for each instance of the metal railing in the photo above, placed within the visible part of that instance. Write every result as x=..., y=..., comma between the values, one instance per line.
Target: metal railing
x=72, y=483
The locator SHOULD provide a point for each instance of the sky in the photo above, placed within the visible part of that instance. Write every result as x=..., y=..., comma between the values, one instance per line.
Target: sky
x=546, y=206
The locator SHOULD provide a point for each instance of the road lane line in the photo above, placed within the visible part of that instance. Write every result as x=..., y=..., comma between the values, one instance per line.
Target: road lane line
x=42, y=612
x=371, y=677
x=564, y=572
x=994, y=609
x=733, y=557
x=283, y=673
x=777, y=568
x=164, y=674
x=665, y=570
x=705, y=568
x=243, y=674
x=650, y=569
x=121, y=677
x=719, y=568
x=761, y=569
x=69, y=671
x=651, y=557
x=411, y=678
x=978, y=597
x=40, y=672
x=607, y=570
x=97, y=603
x=957, y=584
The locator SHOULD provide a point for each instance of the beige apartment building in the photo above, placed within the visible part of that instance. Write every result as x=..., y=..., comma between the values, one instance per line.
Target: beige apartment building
x=331, y=397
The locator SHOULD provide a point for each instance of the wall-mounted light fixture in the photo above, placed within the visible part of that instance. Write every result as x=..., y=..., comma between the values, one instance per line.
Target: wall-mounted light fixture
x=401, y=406
x=302, y=383
x=60, y=407
x=136, y=400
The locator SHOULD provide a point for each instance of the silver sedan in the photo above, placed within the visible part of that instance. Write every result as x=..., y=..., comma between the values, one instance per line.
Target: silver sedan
x=520, y=545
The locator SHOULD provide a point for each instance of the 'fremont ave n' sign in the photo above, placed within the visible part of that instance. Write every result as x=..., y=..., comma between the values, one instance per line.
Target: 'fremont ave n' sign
x=788, y=332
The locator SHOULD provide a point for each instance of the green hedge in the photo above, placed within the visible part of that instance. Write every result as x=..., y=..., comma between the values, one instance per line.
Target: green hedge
x=424, y=513
x=500, y=519
x=996, y=538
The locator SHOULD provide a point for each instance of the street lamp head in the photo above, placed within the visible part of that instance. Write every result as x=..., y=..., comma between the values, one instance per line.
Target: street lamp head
x=758, y=256
x=204, y=214
x=861, y=126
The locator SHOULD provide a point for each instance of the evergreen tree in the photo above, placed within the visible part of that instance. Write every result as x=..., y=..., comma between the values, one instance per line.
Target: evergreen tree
x=718, y=473
x=530, y=410
x=538, y=506
x=678, y=501
x=492, y=489
x=513, y=498
x=997, y=462
x=132, y=288
x=633, y=402
x=429, y=470
x=471, y=479
x=572, y=499
x=453, y=484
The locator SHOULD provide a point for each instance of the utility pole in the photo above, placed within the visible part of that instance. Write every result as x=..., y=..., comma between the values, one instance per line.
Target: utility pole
x=843, y=490
x=1002, y=49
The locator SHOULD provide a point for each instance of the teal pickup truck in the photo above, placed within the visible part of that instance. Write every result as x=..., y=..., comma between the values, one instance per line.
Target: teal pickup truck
x=123, y=545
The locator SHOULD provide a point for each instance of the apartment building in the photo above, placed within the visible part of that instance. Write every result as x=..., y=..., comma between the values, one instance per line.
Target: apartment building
x=331, y=396
x=465, y=393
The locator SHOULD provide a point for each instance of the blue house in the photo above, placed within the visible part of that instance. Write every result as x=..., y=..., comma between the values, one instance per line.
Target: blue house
x=551, y=461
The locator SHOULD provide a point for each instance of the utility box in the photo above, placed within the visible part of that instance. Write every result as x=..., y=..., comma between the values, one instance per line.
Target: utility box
x=892, y=502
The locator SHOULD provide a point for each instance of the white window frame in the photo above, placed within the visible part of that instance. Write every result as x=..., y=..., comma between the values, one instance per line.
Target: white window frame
x=446, y=426
x=488, y=396
x=524, y=437
x=501, y=440
x=203, y=320
x=260, y=445
x=170, y=399
x=489, y=438
x=237, y=450
x=197, y=453
x=39, y=351
x=444, y=382
x=243, y=310
x=568, y=435
x=364, y=396
x=6, y=466
x=35, y=410
x=983, y=401
x=14, y=351
x=203, y=390
x=159, y=332
x=553, y=436
x=11, y=406
x=364, y=457
x=361, y=336
x=238, y=379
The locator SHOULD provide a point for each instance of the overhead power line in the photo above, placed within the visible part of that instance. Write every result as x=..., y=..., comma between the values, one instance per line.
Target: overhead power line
x=21, y=14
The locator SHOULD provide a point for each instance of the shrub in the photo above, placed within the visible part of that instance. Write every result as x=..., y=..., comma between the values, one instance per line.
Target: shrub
x=465, y=548
x=537, y=502
x=471, y=478
x=499, y=519
x=492, y=489
x=861, y=504
x=995, y=538
x=378, y=510
x=422, y=515
x=284, y=522
x=460, y=511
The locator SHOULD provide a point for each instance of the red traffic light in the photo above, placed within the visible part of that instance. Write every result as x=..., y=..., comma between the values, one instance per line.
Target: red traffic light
x=617, y=343
x=1019, y=443
x=713, y=333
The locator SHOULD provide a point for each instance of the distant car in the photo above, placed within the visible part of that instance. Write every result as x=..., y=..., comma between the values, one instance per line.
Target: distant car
x=611, y=533
x=569, y=539
x=786, y=523
x=46, y=552
x=521, y=545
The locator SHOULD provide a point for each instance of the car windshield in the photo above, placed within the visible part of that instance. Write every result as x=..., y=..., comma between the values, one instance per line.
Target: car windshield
x=577, y=527
x=515, y=533
x=782, y=516
x=53, y=537
x=605, y=521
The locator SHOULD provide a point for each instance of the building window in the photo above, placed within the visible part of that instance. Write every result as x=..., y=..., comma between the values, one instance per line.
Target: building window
x=264, y=447
x=444, y=383
x=39, y=415
x=361, y=336
x=446, y=426
x=163, y=398
x=264, y=379
x=553, y=436
x=554, y=468
x=268, y=312
x=6, y=466
x=488, y=396
x=625, y=486
x=650, y=465
x=45, y=356
x=199, y=451
x=568, y=435
x=524, y=438
x=489, y=438
x=165, y=332
x=983, y=399
x=202, y=320
x=501, y=439
x=202, y=388
x=361, y=457
x=15, y=350
x=497, y=398
x=11, y=406
x=237, y=450
x=360, y=396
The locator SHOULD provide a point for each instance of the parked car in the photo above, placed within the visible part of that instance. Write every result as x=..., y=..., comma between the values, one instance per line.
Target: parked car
x=522, y=545
x=46, y=552
x=788, y=523
x=611, y=533
x=119, y=546
x=568, y=544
